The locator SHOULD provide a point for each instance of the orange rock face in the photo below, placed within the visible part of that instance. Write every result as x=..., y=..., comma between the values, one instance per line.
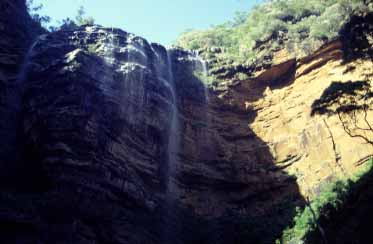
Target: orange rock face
x=96, y=117
x=263, y=132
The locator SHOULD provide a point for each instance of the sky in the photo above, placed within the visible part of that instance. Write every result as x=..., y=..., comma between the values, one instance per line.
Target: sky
x=159, y=21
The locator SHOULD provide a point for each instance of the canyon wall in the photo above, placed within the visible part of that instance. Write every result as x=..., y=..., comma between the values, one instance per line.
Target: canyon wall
x=117, y=140
x=17, y=33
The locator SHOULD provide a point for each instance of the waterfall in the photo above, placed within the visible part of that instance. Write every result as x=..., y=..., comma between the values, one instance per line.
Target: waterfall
x=174, y=138
x=203, y=68
x=205, y=74
x=170, y=224
x=164, y=71
x=13, y=102
x=110, y=48
x=205, y=148
x=132, y=62
x=22, y=74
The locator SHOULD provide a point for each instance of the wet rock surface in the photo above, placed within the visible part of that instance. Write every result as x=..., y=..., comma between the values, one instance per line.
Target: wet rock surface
x=97, y=112
x=96, y=116
x=17, y=33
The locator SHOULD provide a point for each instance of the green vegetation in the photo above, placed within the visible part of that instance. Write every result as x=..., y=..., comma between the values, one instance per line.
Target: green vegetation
x=33, y=9
x=331, y=198
x=67, y=23
x=300, y=26
x=82, y=19
x=206, y=79
x=92, y=48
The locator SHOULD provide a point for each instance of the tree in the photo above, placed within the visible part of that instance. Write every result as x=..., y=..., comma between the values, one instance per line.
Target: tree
x=81, y=19
x=352, y=103
x=67, y=24
x=34, y=10
x=354, y=119
x=239, y=18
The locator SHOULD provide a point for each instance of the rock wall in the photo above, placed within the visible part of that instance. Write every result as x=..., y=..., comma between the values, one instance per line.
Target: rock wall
x=255, y=147
x=314, y=147
x=17, y=33
x=96, y=108
x=95, y=119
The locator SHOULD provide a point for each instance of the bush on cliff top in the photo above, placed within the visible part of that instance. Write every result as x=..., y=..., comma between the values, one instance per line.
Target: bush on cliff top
x=299, y=25
x=33, y=10
x=67, y=23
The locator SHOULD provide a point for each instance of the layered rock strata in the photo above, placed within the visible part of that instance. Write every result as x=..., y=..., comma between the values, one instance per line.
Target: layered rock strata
x=119, y=140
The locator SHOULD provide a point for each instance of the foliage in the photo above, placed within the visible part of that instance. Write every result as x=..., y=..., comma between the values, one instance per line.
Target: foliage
x=66, y=24
x=34, y=10
x=348, y=91
x=332, y=197
x=350, y=101
x=242, y=76
x=92, y=48
x=205, y=78
x=82, y=19
x=79, y=20
x=299, y=25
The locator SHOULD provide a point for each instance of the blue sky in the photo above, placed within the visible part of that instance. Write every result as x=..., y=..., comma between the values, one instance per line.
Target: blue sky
x=157, y=20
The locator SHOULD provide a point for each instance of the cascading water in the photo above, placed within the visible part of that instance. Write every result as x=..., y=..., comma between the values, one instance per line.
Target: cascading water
x=136, y=62
x=14, y=101
x=205, y=74
x=174, y=139
x=170, y=222
x=205, y=140
x=163, y=69
x=112, y=46
x=129, y=85
x=173, y=149
x=22, y=74
x=109, y=48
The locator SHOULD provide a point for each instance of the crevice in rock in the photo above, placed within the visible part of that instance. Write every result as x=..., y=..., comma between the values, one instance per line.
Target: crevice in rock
x=337, y=157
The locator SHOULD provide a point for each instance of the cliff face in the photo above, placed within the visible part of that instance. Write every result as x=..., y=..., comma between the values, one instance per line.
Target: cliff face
x=119, y=141
x=17, y=32
x=313, y=146
x=317, y=120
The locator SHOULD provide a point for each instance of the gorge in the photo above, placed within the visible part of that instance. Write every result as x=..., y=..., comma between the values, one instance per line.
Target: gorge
x=108, y=138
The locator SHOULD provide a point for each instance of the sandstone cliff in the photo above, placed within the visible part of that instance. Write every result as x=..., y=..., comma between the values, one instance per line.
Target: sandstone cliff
x=120, y=141
x=17, y=33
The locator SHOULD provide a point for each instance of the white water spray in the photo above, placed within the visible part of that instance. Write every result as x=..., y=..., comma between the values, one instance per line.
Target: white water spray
x=13, y=102
x=205, y=137
x=205, y=75
x=22, y=74
x=174, y=138
x=170, y=222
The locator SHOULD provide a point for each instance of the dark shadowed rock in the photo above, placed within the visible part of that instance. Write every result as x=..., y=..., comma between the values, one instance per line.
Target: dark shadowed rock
x=89, y=124
x=96, y=113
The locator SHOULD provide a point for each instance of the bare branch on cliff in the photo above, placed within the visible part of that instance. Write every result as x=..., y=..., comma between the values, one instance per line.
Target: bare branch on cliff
x=354, y=132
